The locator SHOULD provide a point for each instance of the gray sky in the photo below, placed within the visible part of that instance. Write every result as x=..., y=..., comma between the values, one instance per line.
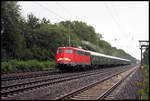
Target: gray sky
x=122, y=24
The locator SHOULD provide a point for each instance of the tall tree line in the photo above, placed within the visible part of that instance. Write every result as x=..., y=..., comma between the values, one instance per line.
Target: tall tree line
x=38, y=39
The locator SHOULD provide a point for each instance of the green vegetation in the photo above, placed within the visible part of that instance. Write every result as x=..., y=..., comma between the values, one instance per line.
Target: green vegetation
x=145, y=72
x=37, y=39
x=31, y=65
x=145, y=83
x=146, y=57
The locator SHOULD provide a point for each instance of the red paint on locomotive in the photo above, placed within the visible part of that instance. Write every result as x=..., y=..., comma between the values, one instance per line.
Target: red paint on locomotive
x=72, y=55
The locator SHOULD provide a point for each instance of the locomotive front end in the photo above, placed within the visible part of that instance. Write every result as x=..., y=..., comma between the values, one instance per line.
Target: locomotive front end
x=64, y=58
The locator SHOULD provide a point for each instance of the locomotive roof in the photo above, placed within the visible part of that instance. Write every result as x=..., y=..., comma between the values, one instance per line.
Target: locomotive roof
x=73, y=48
x=97, y=54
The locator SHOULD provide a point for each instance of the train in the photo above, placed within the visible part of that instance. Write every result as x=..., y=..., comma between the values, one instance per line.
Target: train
x=72, y=58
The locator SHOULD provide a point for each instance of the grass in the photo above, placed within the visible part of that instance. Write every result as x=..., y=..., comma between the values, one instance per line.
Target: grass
x=145, y=83
x=31, y=65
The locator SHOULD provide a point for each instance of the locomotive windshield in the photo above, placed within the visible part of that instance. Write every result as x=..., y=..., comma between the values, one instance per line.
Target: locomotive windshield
x=60, y=50
x=68, y=51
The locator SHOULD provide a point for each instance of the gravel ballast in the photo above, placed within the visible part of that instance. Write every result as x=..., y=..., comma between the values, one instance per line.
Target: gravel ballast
x=130, y=90
x=53, y=91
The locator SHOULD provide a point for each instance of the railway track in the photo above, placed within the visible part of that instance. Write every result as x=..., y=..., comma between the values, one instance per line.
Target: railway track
x=26, y=75
x=98, y=90
x=6, y=90
x=19, y=82
x=19, y=88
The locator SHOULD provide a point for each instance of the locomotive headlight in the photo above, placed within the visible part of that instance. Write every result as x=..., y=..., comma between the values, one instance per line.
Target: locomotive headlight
x=67, y=59
x=60, y=59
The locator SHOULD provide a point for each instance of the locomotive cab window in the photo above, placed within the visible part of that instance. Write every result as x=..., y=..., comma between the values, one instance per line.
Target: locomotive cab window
x=68, y=50
x=60, y=51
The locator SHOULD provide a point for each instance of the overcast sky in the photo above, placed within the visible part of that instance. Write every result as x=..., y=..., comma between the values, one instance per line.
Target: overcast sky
x=122, y=24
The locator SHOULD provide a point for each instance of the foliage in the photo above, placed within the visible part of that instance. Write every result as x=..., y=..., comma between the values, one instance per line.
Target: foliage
x=12, y=41
x=145, y=83
x=145, y=72
x=36, y=39
x=106, y=47
x=30, y=65
x=32, y=21
x=146, y=56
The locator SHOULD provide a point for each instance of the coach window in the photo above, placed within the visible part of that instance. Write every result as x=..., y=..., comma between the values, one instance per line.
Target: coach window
x=68, y=51
x=78, y=52
x=82, y=53
x=60, y=50
x=86, y=53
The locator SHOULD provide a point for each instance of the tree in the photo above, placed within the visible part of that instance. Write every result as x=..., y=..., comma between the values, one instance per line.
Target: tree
x=146, y=56
x=44, y=21
x=33, y=21
x=39, y=39
x=12, y=41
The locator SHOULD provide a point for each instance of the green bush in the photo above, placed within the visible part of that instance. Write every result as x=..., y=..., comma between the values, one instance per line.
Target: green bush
x=5, y=67
x=31, y=65
x=145, y=83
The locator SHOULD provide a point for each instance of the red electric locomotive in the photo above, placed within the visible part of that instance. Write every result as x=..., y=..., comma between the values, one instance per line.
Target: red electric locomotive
x=70, y=58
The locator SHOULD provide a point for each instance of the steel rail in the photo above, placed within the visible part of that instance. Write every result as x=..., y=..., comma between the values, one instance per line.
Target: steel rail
x=45, y=73
x=5, y=93
x=108, y=91
x=44, y=80
x=77, y=91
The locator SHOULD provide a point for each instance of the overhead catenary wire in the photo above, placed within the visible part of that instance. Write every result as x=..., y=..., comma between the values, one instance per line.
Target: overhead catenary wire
x=117, y=21
x=59, y=17
x=65, y=18
x=114, y=19
x=123, y=28
x=67, y=11
x=51, y=11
